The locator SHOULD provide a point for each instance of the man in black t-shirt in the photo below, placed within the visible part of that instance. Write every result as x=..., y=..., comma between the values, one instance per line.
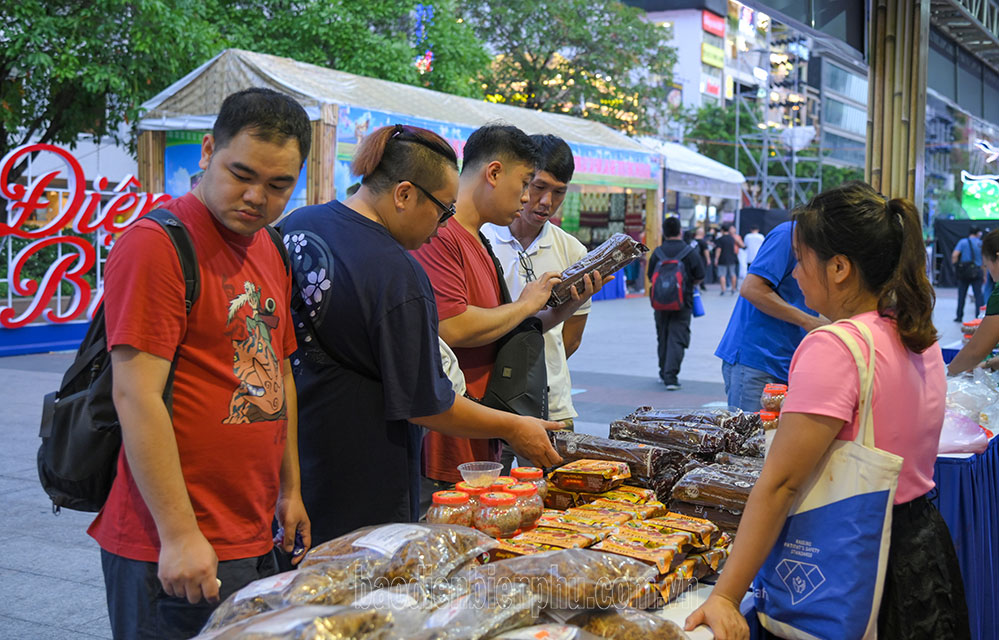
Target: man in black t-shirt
x=673, y=327
x=726, y=258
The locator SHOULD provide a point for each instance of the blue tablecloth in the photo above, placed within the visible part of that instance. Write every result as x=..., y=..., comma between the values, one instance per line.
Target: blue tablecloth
x=616, y=288
x=967, y=495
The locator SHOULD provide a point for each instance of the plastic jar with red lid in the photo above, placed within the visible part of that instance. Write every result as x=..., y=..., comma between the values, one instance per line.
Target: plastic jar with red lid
x=451, y=507
x=497, y=515
x=473, y=492
x=529, y=503
x=773, y=397
x=533, y=475
x=769, y=419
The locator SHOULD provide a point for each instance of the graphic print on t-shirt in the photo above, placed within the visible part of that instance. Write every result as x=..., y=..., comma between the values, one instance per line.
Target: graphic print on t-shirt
x=260, y=394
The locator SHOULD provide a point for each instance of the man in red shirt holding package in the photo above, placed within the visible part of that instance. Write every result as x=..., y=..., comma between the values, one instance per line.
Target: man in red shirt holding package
x=498, y=165
x=188, y=519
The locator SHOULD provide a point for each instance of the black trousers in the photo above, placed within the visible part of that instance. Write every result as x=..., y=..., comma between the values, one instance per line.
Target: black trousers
x=962, y=293
x=139, y=609
x=673, y=335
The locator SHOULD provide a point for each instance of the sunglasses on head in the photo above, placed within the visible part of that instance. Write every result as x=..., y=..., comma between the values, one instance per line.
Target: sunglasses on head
x=446, y=211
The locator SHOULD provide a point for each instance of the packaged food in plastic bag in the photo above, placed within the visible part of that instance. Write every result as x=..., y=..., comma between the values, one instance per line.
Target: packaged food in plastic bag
x=645, y=461
x=483, y=611
x=715, y=487
x=637, y=511
x=590, y=476
x=327, y=583
x=725, y=417
x=316, y=622
x=662, y=551
x=570, y=578
x=686, y=436
x=547, y=632
x=968, y=395
x=616, y=253
x=961, y=434
x=406, y=552
x=726, y=519
x=749, y=464
x=628, y=624
x=705, y=533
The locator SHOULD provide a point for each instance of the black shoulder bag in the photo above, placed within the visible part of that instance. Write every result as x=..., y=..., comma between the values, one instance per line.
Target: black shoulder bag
x=519, y=380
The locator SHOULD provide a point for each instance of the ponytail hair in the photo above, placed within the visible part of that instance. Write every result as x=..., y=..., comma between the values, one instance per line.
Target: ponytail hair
x=884, y=242
x=391, y=154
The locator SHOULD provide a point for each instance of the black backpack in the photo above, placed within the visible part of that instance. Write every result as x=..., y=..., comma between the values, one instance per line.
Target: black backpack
x=668, y=281
x=81, y=435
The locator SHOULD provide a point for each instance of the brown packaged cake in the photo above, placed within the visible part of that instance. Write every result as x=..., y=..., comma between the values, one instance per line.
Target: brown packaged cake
x=609, y=516
x=627, y=493
x=617, y=252
x=731, y=418
x=715, y=487
x=511, y=548
x=705, y=532
x=725, y=519
x=637, y=511
x=663, y=552
x=685, y=436
x=556, y=498
x=746, y=464
x=561, y=538
x=645, y=461
x=598, y=528
x=591, y=476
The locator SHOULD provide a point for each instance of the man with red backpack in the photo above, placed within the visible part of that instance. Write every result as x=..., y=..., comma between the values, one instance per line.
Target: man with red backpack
x=674, y=269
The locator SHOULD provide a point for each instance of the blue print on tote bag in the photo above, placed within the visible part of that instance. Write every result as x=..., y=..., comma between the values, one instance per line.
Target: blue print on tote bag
x=835, y=589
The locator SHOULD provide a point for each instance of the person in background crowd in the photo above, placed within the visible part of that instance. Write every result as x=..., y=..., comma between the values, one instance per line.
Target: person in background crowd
x=859, y=257
x=703, y=254
x=726, y=258
x=967, y=256
x=369, y=368
x=986, y=337
x=188, y=519
x=769, y=320
x=531, y=244
x=673, y=327
x=754, y=240
x=499, y=164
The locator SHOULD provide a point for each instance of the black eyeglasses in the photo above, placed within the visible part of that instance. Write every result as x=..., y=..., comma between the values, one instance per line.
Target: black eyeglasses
x=446, y=211
x=527, y=264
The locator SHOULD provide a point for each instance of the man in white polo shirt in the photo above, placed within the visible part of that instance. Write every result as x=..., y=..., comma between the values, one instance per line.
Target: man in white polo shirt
x=531, y=246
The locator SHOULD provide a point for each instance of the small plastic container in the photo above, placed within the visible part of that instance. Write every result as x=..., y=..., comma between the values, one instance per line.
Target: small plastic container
x=480, y=474
x=502, y=483
x=534, y=476
x=773, y=397
x=968, y=328
x=472, y=492
x=529, y=503
x=769, y=420
x=451, y=507
x=497, y=515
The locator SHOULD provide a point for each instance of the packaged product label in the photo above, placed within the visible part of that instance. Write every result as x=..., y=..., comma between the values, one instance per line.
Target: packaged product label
x=558, y=538
x=591, y=476
x=270, y=584
x=389, y=538
x=610, y=516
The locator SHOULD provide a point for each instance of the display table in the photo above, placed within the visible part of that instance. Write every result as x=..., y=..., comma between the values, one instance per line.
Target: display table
x=685, y=604
x=967, y=495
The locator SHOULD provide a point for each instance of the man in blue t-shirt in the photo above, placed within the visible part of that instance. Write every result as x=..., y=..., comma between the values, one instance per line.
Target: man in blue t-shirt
x=967, y=258
x=769, y=320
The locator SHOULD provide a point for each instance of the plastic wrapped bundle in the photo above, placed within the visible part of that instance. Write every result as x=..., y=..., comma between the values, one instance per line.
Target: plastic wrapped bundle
x=644, y=461
x=405, y=552
x=715, y=487
x=616, y=253
x=315, y=622
x=752, y=465
x=482, y=612
x=627, y=624
x=569, y=578
x=553, y=631
x=328, y=583
x=727, y=418
x=726, y=519
x=689, y=437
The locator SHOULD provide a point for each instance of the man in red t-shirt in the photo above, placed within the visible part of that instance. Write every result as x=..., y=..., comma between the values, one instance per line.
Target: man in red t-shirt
x=499, y=163
x=188, y=519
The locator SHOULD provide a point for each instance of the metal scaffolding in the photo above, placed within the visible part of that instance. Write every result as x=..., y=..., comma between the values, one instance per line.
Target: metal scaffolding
x=772, y=132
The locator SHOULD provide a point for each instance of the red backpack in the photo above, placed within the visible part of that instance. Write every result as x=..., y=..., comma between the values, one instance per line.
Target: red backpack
x=668, y=281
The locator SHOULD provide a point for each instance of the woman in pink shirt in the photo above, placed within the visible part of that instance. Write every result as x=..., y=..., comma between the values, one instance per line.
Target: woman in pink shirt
x=860, y=257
